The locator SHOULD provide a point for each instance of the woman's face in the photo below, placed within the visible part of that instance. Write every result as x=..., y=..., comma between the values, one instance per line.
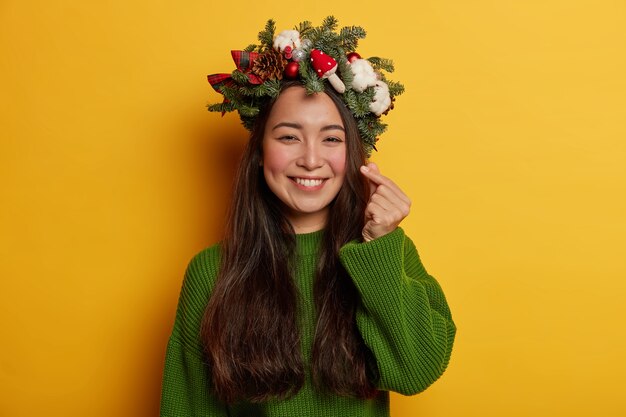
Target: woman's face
x=304, y=156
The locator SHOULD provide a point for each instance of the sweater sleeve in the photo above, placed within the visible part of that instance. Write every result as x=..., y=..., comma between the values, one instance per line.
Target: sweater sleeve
x=404, y=318
x=186, y=388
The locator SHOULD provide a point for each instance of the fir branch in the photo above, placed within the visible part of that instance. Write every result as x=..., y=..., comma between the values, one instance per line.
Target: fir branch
x=329, y=24
x=327, y=42
x=247, y=111
x=313, y=85
x=231, y=93
x=270, y=88
x=239, y=77
x=303, y=28
x=381, y=63
x=311, y=81
x=379, y=128
x=350, y=35
x=361, y=104
x=344, y=68
x=250, y=48
x=273, y=88
x=254, y=93
x=395, y=88
x=351, y=100
x=371, y=129
x=266, y=36
x=249, y=91
x=323, y=36
x=224, y=107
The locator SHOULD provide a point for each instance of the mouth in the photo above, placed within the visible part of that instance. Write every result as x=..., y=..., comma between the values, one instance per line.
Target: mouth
x=308, y=183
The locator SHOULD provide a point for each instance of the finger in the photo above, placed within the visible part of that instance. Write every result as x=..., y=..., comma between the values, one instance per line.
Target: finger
x=381, y=211
x=372, y=184
x=372, y=173
x=382, y=201
x=373, y=166
x=394, y=194
x=384, y=183
x=374, y=212
x=380, y=221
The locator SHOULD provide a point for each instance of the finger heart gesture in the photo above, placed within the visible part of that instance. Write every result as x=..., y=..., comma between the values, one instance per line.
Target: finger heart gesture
x=387, y=206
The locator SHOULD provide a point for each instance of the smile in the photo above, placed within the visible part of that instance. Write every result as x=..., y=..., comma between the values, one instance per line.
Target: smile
x=309, y=183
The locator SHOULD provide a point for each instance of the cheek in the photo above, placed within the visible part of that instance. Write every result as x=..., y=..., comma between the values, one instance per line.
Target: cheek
x=337, y=161
x=273, y=160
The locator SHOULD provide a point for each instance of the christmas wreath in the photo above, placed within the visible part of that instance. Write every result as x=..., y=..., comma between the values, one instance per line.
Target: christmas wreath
x=318, y=56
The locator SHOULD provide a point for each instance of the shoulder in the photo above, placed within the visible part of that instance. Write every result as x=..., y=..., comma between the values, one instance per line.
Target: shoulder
x=200, y=277
x=203, y=268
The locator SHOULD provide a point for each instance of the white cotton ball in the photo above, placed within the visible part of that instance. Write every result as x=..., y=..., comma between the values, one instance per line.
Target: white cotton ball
x=287, y=38
x=364, y=75
x=382, y=100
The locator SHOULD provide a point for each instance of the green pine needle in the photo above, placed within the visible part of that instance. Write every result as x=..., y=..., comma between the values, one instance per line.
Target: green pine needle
x=239, y=77
x=303, y=28
x=329, y=24
x=395, y=88
x=266, y=36
x=221, y=107
x=350, y=35
x=381, y=63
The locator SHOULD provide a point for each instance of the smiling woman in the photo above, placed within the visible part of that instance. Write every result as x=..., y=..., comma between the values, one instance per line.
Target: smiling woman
x=315, y=303
x=304, y=156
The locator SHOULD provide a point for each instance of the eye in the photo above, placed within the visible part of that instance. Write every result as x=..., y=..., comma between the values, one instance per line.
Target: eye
x=333, y=139
x=288, y=138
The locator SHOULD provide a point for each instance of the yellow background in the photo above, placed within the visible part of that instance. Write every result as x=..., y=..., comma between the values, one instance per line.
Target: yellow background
x=510, y=139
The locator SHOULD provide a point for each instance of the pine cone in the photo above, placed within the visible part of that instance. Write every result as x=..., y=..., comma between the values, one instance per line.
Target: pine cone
x=270, y=65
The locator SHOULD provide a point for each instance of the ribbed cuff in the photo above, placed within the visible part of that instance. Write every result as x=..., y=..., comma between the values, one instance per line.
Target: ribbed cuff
x=375, y=266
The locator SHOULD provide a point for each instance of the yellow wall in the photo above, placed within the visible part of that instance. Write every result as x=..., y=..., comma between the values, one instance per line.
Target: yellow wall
x=510, y=140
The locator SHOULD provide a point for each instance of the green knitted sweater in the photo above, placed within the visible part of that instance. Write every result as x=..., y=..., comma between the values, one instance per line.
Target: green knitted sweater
x=404, y=319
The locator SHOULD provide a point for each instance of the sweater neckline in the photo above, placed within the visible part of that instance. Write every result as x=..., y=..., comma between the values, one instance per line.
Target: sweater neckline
x=308, y=243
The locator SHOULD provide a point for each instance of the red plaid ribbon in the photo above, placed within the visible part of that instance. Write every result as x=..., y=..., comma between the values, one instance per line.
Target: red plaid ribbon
x=244, y=62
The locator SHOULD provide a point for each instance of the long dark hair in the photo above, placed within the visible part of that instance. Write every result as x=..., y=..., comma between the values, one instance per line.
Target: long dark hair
x=250, y=327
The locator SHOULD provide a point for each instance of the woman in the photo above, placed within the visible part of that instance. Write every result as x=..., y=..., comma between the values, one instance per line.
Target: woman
x=315, y=303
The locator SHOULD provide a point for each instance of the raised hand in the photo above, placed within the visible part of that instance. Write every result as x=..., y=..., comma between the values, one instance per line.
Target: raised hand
x=387, y=207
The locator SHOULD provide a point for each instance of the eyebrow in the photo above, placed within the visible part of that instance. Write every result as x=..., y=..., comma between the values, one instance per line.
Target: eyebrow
x=299, y=126
x=332, y=127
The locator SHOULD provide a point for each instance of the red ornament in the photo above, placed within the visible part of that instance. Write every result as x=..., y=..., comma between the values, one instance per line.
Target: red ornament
x=325, y=66
x=353, y=56
x=291, y=70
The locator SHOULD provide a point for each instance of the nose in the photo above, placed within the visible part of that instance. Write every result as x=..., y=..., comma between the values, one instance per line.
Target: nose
x=311, y=157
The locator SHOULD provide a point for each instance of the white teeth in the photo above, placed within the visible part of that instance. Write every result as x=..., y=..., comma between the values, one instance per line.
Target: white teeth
x=308, y=183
